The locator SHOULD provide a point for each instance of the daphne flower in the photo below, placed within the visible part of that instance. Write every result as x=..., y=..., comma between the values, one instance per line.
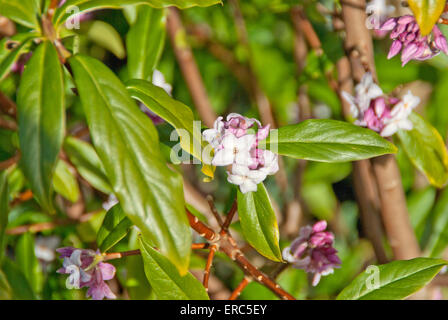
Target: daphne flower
x=234, y=150
x=313, y=251
x=245, y=178
x=367, y=90
x=85, y=269
x=214, y=136
x=405, y=32
x=399, y=115
x=378, y=11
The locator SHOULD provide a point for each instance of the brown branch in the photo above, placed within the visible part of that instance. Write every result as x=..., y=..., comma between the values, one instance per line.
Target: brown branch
x=7, y=106
x=208, y=265
x=239, y=289
x=11, y=161
x=227, y=245
x=359, y=47
x=189, y=68
x=214, y=210
x=229, y=217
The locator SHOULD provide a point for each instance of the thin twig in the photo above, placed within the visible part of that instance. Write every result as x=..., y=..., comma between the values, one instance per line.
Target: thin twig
x=239, y=289
x=214, y=210
x=229, y=217
x=208, y=265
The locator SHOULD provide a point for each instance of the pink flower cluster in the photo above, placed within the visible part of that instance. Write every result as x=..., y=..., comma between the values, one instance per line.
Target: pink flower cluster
x=375, y=111
x=85, y=269
x=234, y=145
x=405, y=32
x=313, y=251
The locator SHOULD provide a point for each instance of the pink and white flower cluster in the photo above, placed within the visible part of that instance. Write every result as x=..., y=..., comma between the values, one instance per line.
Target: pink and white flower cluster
x=405, y=32
x=85, y=269
x=235, y=145
x=379, y=113
x=313, y=251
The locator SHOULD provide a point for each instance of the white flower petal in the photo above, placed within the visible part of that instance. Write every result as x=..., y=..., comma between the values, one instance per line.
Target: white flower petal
x=248, y=186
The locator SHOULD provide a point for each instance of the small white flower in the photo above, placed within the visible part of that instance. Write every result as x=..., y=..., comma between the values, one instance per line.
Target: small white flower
x=215, y=135
x=353, y=105
x=111, y=201
x=72, y=265
x=234, y=150
x=367, y=90
x=378, y=11
x=270, y=163
x=399, y=115
x=159, y=80
x=245, y=178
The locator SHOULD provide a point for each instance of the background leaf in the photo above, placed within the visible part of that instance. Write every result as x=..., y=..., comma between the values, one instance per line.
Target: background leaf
x=127, y=144
x=114, y=228
x=4, y=211
x=166, y=281
x=23, y=12
x=426, y=149
x=439, y=233
x=327, y=141
x=18, y=282
x=398, y=280
x=65, y=182
x=259, y=223
x=145, y=41
x=41, y=117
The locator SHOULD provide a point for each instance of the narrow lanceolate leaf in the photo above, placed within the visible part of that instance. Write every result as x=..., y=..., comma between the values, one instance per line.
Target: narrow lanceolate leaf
x=104, y=35
x=41, y=111
x=128, y=145
x=166, y=281
x=259, y=223
x=438, y=240
x=115, y=227
x=65, y=183
x=393, y=281
x=426, y=12
x=64, y=12
x=21, y=288
x=24, y=12
x=174, y=112
x=426, y=149
x=27, y=261
x=5, y=288
x=85, y=159
x=10, y=56
x=145, y=41
x=327, y=141
x=4, y=210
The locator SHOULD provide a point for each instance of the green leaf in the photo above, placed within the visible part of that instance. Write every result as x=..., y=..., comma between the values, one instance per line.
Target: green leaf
x=327, y=141
x=396, y=280
x=41, y=117
x=62, y=14
x=426, y=149
x=27, y=261
x=114, y=228
x=145, y=41
x=320, y=199
x=105, y=36
x=426, y=12
x=65, y=183
x=420, y=203
x=85, y=159
x=9, y=56
x=5, y=288
x=259, y=223
x=128, y=145
x=439, y=234
x=21, y=288
x=166, y=281
x=23, y=12
x=174, y=112
x=4, y=210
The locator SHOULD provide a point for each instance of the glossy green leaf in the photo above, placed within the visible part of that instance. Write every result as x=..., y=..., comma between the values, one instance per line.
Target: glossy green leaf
x=259, y=223
x=9, y=56
x=20, y=286
x=166, y=281
x=85, y=159
x=41, y=117
x=174, y=112
x=393, y=281
x=23, y=12
x=426, y=149
x=63, y=12
x=4, y=210
x=114, y=228
x=65, y=183
x=145, y=41
x=27, y=261
x=127, y=143
x=426, y=12
x=438, y=240
x=327, y=141
x=420, y=203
